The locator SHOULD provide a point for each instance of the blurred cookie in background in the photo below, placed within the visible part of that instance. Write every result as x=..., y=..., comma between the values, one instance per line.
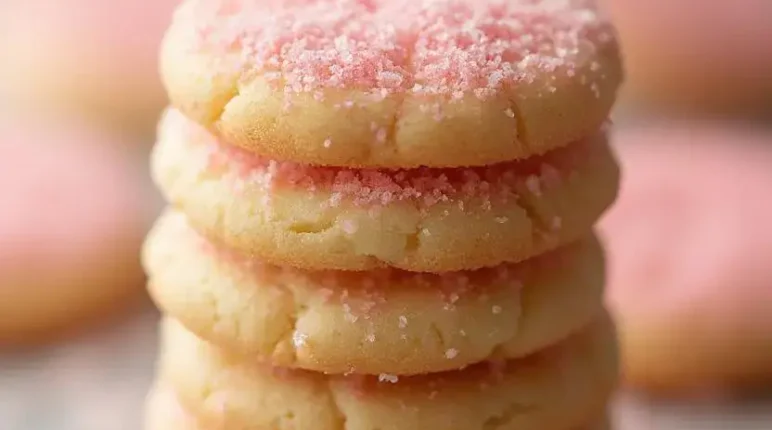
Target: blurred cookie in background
x=690, y=250
x=73, y=211
x=91, y=56
x=696, y=56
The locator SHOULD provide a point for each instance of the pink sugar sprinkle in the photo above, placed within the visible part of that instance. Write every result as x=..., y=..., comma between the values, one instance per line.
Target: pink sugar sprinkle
x=376, y=188
x=379, y=187
x=444, y=47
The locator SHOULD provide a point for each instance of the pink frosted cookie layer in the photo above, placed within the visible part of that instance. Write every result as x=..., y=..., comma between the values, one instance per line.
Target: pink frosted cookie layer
x=435, y=47
x=381, y=187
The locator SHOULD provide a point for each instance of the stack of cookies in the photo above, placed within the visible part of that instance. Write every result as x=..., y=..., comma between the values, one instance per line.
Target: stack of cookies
x=381, y=216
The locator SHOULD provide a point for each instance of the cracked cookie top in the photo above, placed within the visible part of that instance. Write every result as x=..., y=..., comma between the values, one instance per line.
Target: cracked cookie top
x=404, y=83
x=421, y=219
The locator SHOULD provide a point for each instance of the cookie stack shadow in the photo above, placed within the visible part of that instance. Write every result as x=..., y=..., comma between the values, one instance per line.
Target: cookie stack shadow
x=378, y=248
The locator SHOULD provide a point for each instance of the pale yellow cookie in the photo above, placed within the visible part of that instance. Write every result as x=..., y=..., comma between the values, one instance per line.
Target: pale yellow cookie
x=393, y=83
x=426, y=220
x=553, y=390
x=163, y=411
x=386, y=321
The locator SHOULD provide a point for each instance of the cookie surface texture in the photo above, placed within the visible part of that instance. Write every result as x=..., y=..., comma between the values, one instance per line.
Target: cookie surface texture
x=388, y=83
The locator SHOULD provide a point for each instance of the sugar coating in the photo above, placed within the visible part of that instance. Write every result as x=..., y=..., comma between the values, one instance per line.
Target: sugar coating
x=434, y=47
x=380, y=187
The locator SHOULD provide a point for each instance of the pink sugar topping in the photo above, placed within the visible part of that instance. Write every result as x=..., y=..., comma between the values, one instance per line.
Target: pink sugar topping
x=440, y=47
x=379, y=187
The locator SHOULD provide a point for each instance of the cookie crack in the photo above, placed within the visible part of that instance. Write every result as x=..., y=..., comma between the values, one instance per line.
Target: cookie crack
x=435, y=330
x=342, y=419
x=228, y=96
x=521, y=132
x=393, y=127
x=291, y=334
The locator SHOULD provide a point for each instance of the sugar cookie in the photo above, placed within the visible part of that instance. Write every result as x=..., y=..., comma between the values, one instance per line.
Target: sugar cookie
x=72, y=217
x=387, y=83
x=430, y=220
x=387, y=321
x=554, y=389
x=689, y=250
x=163, y=411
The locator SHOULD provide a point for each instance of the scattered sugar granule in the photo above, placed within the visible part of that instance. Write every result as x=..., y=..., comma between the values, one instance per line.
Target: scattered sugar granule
x=299, y=339
x=402, y=321
x=451, y=353
x=385, y=377
x=496, y=310
x=327, y=142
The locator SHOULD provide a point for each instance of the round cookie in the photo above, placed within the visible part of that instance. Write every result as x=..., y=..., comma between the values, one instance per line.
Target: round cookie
x=89, y=56
x=689, y=258
x=430, y=220
x=163, y=411
x=389, y=83
x=71, y=225
x=681, y=55
x=386, y=321
x=555, y=389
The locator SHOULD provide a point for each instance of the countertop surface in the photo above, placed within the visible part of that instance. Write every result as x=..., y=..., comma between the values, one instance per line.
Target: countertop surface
x=98, y=382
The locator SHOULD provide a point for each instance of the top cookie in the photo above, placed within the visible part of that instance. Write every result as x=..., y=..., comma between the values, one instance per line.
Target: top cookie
x=393, y=83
